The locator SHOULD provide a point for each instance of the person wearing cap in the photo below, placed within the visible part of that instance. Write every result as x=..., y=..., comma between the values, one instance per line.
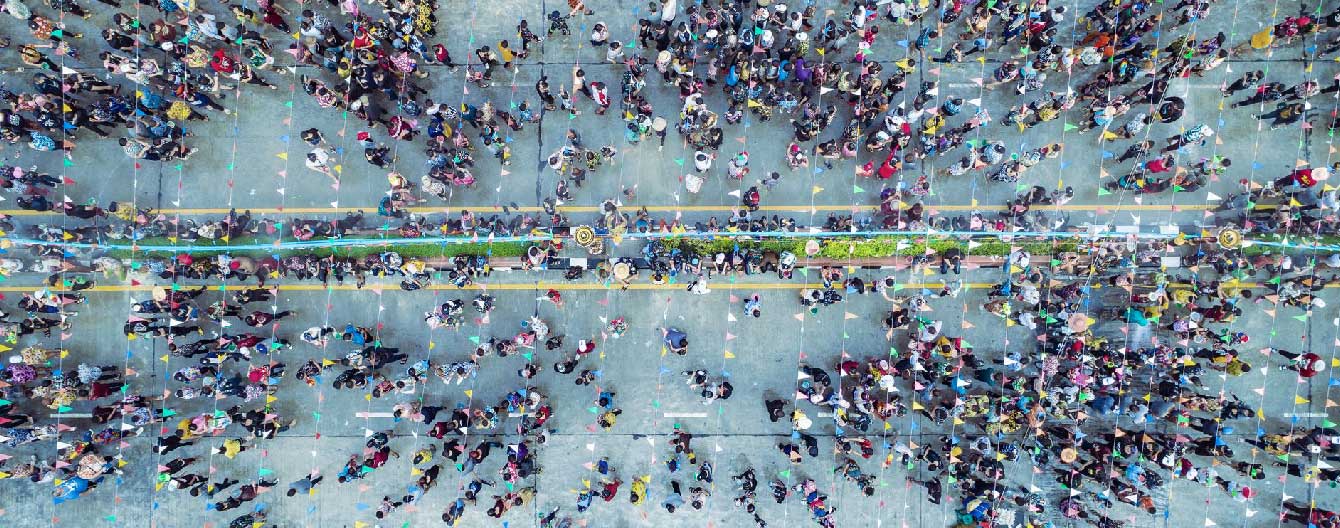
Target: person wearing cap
x=1307, y=365
x=658, y=127
x=1302, y=178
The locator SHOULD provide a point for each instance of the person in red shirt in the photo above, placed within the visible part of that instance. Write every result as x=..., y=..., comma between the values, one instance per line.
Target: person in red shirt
x=1307, y=364
x=1302, y=178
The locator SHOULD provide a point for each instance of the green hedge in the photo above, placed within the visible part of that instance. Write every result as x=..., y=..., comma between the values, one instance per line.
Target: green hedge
x=863, y=247
x=1303, y=241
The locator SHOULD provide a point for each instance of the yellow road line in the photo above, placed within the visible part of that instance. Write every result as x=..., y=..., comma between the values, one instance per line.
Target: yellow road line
x=802, y=208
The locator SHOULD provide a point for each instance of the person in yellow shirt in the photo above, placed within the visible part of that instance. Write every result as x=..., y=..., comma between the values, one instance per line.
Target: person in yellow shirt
x=638, y=494
x=506, y=54
x=231, y=447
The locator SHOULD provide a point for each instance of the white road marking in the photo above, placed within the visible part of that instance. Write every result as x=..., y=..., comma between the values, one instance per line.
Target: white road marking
x=686, y=415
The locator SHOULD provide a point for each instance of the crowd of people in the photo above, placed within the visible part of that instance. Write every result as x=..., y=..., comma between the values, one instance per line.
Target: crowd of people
x=845, y=99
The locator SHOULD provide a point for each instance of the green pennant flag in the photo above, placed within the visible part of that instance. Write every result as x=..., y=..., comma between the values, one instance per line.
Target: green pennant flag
x=1103, y=192
x=1069, y=127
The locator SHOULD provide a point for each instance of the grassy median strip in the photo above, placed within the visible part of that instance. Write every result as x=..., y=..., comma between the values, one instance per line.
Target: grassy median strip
x=877, y=247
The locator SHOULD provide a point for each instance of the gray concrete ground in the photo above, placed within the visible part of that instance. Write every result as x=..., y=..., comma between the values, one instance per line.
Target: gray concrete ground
x=239, y=165
x=734, y=434
x=239, y=162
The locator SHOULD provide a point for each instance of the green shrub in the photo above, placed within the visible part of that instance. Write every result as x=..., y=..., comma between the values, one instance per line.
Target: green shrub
x=839, y=248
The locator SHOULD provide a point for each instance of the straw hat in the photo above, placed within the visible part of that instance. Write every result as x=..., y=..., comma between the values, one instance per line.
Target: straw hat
x=1069, y=455
x=658, y=124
